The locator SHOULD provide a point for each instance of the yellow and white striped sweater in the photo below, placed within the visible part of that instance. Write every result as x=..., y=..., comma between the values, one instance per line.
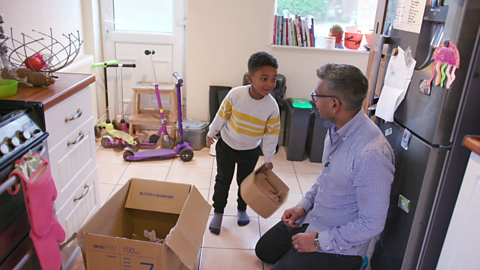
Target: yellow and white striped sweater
x=243, y=122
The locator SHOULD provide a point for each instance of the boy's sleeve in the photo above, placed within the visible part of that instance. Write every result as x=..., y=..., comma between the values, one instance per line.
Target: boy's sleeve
x=270, y=138
x=221, y=117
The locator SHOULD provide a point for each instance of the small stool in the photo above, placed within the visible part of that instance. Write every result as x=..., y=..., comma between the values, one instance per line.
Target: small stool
x=152, y=117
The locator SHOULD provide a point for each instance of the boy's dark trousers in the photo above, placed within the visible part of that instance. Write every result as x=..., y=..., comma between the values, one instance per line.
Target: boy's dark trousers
x=275, y=247
x=226, y=159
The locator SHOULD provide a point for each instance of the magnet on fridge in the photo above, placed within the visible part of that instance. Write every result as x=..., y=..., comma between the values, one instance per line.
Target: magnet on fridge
x=424, y=88
x=406, y=139
x=388, y=132
x=404, y=203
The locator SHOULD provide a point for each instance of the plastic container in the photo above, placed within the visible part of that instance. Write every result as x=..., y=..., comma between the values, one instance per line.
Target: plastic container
x=194, y=132
x=316, y=137
x=296, y=128
x=353, y=40
x=8, y=88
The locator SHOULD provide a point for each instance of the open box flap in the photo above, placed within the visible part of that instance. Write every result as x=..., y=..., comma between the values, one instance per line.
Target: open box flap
x=185, y=239
x=158, y=196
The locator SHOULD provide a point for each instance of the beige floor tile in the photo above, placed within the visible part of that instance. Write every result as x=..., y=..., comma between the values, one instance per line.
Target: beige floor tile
x=281, y=164
x=145, y=172
x=266, y=224
x=201, y=159
x=110, y=173
x=223, y=259
x=200, y=177
x=117, y=188
x=105, y=191
x=77, y=263
x=290, y=179
x=307, y=167
x=231, y=208
x=292, y=200
x=110, y=155
x=232, y=235
x=205, y=193
x=306, y=181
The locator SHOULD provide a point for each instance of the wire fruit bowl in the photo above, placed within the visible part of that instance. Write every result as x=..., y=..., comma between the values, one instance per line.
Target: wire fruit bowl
x=50, y=54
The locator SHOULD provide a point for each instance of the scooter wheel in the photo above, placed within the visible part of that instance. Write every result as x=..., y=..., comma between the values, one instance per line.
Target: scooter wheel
x=168, y=145
x=98, y=132
x=116, y=125
x=139, y=143
x=104, y=143
x=127, y=154
x=186, y=154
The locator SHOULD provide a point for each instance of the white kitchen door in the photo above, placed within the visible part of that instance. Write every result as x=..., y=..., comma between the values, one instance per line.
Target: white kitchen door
x=128, y=29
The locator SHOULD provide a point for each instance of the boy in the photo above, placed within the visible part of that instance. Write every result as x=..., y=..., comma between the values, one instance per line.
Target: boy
x=248, y=115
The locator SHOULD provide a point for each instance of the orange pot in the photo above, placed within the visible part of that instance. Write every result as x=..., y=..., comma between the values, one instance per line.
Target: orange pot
x=353, y=40
x=368, y=38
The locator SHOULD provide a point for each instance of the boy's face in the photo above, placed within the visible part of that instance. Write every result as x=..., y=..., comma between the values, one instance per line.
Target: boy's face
x=263, y=81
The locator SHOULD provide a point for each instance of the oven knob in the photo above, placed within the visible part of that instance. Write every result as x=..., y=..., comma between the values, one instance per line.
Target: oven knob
x=4, y=149
x=13, y=142
x=23, y=136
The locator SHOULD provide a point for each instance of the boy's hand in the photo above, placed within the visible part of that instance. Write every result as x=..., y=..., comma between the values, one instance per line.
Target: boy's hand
x=211, y=140
x=268, y=166
x=293, y=214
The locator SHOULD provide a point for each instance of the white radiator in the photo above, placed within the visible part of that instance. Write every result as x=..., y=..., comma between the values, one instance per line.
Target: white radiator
x=81, y=64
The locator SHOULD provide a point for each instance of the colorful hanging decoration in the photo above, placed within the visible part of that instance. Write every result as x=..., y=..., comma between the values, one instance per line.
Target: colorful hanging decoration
x=337, y=32
x=446, y=61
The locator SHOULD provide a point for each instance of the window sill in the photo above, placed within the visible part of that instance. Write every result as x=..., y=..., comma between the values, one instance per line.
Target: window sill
x=364, y=51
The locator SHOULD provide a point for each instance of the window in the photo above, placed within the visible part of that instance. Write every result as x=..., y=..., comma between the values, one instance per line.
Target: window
x=143, y=15
x=326, y=13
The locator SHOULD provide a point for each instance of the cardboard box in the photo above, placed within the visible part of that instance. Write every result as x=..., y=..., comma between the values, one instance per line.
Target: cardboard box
x=260, y=196
x=114, y=237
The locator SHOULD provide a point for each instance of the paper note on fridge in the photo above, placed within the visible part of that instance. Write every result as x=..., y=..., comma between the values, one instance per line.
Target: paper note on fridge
x=395, y=86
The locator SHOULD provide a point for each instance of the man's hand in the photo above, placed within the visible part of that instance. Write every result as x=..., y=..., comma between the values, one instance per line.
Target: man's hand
x=293, y=214
x=303, y=242
x=211, y=140
x=268, y=166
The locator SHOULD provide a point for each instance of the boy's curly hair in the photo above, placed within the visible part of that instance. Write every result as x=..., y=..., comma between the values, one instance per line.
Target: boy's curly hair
x=259, y=60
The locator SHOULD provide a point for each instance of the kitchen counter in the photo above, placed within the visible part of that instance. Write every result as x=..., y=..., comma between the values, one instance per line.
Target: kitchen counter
x=66, y=86
x=472, y=143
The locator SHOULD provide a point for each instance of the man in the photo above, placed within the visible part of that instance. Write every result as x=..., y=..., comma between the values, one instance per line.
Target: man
x=333, y=224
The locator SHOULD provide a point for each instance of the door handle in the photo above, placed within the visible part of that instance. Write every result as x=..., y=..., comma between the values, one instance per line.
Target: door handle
x=76, y=116
x=77, y=140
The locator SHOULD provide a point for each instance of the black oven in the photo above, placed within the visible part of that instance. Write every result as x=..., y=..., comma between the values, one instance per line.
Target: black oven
x=22, y=130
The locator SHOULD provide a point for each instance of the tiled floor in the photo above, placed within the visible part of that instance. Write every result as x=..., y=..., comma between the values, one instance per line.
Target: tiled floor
x=234, y=247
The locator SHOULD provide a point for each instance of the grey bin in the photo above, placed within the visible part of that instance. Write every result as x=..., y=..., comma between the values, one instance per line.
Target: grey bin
x=316, y=137
x=296, y=131
x=194, y=132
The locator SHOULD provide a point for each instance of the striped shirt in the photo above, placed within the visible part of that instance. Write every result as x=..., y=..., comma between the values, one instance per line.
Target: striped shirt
x=349, y=201
x=244, y=122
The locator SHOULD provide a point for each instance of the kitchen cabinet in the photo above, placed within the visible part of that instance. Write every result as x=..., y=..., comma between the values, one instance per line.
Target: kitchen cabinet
x=71, y=149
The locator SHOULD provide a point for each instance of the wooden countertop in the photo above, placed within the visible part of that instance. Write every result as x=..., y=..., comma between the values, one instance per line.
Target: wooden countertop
x=472, y=143
x=66, y=86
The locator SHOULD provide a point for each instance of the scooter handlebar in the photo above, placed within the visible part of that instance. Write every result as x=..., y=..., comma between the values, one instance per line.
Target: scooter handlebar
x=129, y=65
x=179, y=80
x=148, y=52
x=108, y=63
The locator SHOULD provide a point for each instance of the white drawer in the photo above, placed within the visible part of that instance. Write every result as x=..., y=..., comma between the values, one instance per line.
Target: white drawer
x=80, y=205
x=71, y=164
x=55, y=117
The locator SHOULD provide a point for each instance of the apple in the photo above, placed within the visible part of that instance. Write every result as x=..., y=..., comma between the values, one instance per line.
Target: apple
x=35, y=62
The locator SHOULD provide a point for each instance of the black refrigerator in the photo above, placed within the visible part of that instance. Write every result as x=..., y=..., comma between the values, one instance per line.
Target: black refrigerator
x=427, y=133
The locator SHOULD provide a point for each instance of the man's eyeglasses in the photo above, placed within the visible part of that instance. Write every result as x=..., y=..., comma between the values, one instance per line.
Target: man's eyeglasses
x=314, y=95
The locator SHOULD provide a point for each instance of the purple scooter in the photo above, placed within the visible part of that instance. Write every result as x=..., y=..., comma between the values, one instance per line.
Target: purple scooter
x=182, y=149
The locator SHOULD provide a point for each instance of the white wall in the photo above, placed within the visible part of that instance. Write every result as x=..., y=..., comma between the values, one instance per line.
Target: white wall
x=221, y=36
x=62, y=16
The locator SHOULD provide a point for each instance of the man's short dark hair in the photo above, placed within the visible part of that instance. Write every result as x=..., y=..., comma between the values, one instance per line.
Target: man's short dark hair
x=346, y=82
x=259, y=60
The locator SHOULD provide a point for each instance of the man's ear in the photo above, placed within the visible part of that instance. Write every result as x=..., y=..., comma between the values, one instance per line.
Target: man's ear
x=335, y=105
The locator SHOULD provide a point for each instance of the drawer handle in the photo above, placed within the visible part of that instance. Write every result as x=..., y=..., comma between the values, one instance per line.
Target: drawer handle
x=79, y=138
x=87, y=188
x=76, y=116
